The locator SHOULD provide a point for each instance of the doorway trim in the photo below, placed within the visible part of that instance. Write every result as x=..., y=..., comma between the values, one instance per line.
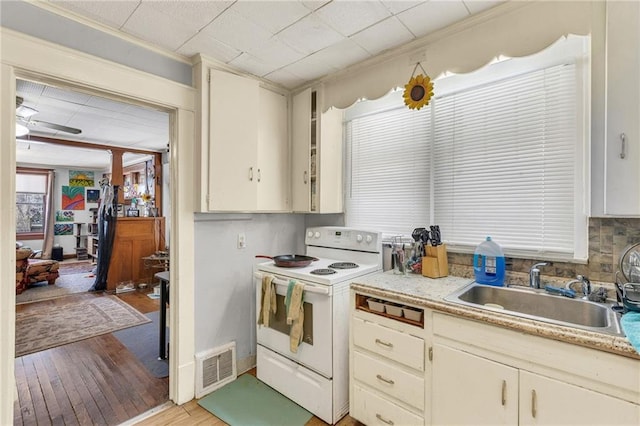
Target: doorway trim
x=24, y=56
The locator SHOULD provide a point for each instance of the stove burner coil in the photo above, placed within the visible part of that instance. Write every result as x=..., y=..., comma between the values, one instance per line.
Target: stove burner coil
x=343, y=265
x=323, y=271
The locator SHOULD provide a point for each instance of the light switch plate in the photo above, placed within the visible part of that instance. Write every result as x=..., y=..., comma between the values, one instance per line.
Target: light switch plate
x=242, y=243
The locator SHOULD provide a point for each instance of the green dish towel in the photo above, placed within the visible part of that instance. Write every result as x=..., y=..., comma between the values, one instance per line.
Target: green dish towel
x=630, y=323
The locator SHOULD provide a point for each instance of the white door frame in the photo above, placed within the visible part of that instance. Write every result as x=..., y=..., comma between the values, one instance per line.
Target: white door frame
x=26, y=56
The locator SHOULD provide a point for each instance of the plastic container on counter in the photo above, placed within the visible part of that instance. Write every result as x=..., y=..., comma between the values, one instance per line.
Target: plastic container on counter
x=488, y=263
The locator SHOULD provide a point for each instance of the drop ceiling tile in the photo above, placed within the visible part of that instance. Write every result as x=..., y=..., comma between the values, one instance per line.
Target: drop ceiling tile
x=276, y=53
x=252, y=65
x=342, y=54
x=383, y=35
x=285, y=78
x=349, y=17
x=108, y=12
x=433, y=15
x=105, y=104
x=314, y=4
x=237, y=31
x=477, y=6
x=271, y=15
x=206, y=44
x=25, y=87
x=397, y=6
x=65, y=95
x=309, y=35
x=157, y=27
x=192, y=15
x=310, y=68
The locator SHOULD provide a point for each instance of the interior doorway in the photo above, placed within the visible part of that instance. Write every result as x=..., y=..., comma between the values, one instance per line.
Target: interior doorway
x=52, y=143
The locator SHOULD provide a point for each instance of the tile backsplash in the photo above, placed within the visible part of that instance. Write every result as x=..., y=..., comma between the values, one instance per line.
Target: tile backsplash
x=608, y=237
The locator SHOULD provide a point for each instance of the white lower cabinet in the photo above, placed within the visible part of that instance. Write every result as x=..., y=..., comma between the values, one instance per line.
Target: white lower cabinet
x=482, y=374
x=388, y=375
x=545, y=401
x=471, y=390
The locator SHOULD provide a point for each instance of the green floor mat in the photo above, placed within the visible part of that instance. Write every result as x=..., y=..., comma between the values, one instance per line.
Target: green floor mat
x=248, y=402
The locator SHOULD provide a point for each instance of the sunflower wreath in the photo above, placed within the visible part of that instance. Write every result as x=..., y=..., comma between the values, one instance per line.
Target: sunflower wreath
x=419, y=90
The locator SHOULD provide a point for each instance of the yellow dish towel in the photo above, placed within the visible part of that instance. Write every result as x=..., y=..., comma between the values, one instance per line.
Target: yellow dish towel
x=295, y=314
x=268, y=300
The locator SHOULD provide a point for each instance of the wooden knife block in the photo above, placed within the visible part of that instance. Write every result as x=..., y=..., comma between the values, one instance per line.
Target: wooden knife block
x=435, y=263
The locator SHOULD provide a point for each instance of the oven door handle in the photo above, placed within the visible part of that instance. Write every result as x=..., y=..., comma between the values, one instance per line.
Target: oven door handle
x=307, y=287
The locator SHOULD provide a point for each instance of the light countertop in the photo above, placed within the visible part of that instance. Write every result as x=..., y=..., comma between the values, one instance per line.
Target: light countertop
x=417, y=290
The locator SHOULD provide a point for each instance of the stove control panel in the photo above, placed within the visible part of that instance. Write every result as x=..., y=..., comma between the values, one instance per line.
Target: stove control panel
x=343, y=238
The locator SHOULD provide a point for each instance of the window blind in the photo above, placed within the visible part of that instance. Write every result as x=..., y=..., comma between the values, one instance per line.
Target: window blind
x=387, y=160
x=502, y=158
x=504, y=155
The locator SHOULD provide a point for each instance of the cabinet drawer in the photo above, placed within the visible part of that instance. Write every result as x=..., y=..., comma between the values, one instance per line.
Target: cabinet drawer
x=371, y=410
x=395, y=345
x=389, y=379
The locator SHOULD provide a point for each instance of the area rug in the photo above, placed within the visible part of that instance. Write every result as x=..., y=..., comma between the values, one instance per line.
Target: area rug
x=68, y=268
x=143, y=340
x=64, y=285
x=54, y=325
x=248, y=401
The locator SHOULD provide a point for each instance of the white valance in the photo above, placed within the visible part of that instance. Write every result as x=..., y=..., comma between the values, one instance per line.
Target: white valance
x=520, y=29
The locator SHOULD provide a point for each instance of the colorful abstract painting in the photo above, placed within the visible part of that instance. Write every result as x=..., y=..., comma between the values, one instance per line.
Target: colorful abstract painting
x=81, y=178
x=93, y=195
x=63, y=229
x=64, y=216
x=72, y=198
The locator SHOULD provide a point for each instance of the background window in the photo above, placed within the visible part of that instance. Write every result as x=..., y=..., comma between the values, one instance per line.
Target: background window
x=31, y=190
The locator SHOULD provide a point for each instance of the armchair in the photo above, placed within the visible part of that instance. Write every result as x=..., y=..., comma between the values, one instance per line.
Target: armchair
x=30, y=270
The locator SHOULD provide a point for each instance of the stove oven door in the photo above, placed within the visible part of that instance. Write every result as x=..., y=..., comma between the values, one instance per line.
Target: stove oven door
x=316, y=348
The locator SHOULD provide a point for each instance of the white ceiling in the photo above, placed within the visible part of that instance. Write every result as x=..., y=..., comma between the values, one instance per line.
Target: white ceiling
x=287, y=42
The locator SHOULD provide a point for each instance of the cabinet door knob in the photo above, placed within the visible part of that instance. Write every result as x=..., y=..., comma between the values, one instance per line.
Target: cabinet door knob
x=386, y=344
x=623, y=139
x=534, y=403
x=382, y=419
x=384, y=379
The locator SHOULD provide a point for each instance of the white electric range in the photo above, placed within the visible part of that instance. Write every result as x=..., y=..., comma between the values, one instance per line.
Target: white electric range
x=317, y=375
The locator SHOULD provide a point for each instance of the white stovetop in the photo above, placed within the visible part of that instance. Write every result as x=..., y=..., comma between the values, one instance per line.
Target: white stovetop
x=304, y=273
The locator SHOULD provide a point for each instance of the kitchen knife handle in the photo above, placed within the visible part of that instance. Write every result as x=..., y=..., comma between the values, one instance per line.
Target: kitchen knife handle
x=623, y=139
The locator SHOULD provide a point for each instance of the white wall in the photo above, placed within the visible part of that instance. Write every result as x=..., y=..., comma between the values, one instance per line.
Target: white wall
x=225, y=302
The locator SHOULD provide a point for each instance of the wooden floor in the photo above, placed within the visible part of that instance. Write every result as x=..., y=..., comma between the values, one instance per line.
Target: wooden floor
x=192, y=414
x=98, y=381
x=94, y=381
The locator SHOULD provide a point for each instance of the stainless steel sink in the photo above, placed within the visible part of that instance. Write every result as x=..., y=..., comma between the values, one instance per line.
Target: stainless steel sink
x=539, y=306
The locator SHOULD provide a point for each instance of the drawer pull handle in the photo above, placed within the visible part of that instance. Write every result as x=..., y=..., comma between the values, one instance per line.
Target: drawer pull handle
x=383, y=379
x=382, y=419
x=386, y=344
x=504, y=393
x=304, y=177
x=251, y=174
x=623, y=139
x=534, y=403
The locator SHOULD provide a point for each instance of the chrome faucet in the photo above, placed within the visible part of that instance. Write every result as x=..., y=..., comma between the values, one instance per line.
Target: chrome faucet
x=585, y=283
x=534, y=275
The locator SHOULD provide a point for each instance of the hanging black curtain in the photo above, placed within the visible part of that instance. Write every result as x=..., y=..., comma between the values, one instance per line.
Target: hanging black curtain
x=107, y=218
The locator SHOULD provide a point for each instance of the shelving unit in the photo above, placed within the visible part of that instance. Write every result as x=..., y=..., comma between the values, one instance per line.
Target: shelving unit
x=92, y=248
x=81, y=242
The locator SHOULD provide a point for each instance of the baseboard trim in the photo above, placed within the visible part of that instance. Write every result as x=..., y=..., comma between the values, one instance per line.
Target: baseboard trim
x=245, y=364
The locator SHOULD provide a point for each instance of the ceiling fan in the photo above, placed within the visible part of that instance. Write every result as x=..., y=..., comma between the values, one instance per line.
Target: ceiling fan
x=24, y=120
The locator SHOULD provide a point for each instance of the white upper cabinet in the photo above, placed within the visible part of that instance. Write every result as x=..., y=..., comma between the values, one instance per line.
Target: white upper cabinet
x=622, y=149
x=316, y=178
x=246, y=147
